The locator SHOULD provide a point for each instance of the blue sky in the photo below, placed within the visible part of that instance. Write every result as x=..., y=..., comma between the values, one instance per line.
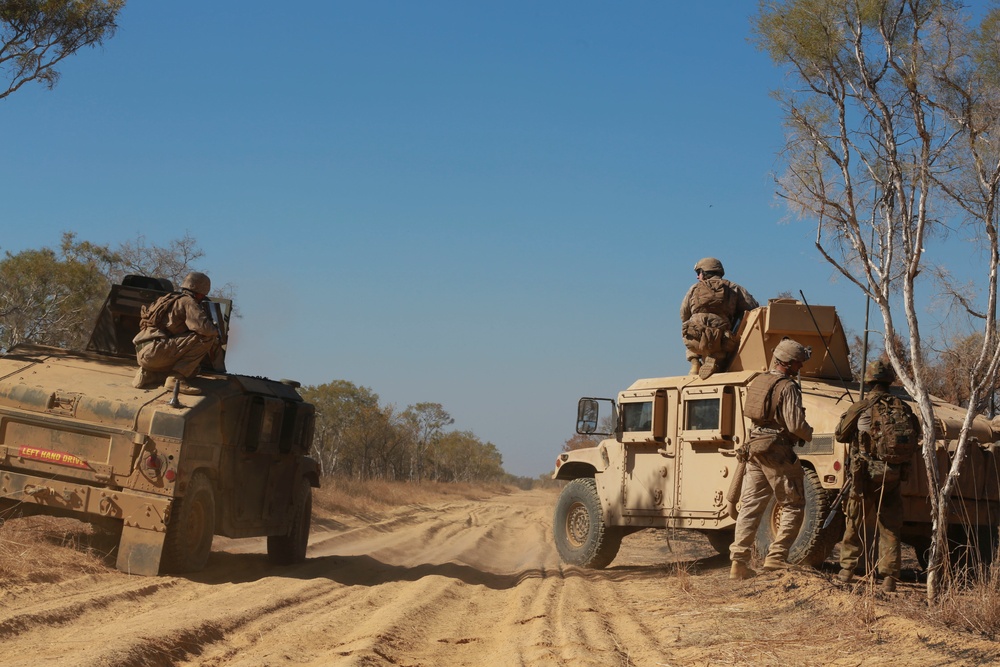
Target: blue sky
x=494, y=206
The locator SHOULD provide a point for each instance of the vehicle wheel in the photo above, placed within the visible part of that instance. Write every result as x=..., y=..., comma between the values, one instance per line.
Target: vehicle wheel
x=580, y=534
x=291, y=547
x=720, y=540
x=813, y=544
x=192, y=526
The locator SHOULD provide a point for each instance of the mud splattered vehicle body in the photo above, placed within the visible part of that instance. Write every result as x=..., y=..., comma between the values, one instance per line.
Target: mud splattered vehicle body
x=672, y=455
x=168, y=472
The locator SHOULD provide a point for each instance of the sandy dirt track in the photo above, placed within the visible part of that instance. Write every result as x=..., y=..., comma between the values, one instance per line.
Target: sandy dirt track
x=471, y=583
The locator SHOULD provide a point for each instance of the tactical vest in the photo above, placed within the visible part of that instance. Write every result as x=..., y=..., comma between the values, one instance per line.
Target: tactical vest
x=156, y=315
x=715, y=296
x=760, y=405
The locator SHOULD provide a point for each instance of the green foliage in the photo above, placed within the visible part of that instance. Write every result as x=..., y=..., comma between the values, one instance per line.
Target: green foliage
x=35, y=35
x=356, y=437
x=52, y=298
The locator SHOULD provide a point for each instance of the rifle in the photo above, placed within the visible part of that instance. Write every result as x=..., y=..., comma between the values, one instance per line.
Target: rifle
x=844, y=490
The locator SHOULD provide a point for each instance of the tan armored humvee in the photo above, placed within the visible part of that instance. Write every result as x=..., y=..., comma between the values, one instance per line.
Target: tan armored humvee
x=673, y=453
x=167, y=472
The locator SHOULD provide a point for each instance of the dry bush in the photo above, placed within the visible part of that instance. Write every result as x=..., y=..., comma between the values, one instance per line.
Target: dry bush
x=369, y=498
x=44, y=548
x=972, y=603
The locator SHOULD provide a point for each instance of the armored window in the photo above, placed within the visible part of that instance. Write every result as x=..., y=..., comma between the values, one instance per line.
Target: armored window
x=702, y=414
x=637, y=416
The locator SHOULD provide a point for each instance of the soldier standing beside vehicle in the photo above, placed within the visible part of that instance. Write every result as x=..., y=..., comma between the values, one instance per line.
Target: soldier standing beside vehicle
x=709, y=312
x=883, y=433
x=175, y=335
x=774, y=405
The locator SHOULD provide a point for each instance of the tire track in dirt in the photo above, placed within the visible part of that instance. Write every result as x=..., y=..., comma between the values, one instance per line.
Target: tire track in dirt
x=458, y=584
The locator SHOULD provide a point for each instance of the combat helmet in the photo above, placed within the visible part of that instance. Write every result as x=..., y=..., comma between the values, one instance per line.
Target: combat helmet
x=788, y=351
x=710, y=265
x=880, y=372
x=197, y=282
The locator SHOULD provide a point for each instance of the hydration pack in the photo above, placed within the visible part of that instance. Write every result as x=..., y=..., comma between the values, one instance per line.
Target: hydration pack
x=714, y=296
x=156, y=314
x=894, y=430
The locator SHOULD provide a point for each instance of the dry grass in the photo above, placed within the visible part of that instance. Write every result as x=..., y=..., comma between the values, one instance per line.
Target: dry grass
x=372, y=498
x=43, y=548
x=972, y=603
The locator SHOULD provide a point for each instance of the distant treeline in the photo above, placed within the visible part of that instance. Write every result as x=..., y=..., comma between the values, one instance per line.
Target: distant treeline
x=357, y=437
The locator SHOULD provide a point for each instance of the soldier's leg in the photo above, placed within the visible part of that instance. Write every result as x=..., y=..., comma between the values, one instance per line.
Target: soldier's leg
x=188, y=352
x=890, y=525
x=789, y=492
x=754, y=497
x=851, y=544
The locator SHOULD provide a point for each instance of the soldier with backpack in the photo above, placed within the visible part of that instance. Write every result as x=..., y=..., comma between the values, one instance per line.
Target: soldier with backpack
x=710, y=311
x=175, y=335
x=883, y=434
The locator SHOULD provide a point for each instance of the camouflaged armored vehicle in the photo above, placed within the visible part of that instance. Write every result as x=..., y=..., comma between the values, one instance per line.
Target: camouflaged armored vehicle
x=673, y=453
x=168, y=472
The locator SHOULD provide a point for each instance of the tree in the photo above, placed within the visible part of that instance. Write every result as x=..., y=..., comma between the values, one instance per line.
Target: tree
x=50, y=298
x=339, y=404
x=36, y=35
x=892, y=128
x=425, y=420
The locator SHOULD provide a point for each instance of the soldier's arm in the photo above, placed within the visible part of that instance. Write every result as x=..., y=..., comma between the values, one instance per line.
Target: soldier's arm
x=792, y=412
x=197, y=320
x=686, y=305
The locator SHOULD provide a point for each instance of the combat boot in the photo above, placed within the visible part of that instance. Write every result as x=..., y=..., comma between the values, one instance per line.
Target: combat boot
x=846, y=576
x=707, y=368
x=740, y=570
x=772, y=563
x=889, y=584
x=182, y=386
x=695, y=367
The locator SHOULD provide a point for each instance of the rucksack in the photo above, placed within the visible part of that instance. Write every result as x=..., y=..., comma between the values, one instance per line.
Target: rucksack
x=713, y=295
x=156, y=314
x=894, y=431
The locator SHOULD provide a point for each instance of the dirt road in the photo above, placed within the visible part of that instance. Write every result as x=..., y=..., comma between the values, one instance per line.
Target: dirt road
x=470, y=583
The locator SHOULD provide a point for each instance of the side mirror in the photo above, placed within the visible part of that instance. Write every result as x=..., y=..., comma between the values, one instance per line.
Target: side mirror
x=588, y=415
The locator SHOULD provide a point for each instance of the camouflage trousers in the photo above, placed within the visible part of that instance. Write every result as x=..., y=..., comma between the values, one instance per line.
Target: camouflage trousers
x=766, y=475
x=874, y=514
x=706, y=335
x=181, y=355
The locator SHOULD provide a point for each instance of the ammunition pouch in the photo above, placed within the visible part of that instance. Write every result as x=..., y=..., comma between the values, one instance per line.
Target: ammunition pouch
x=771, y=446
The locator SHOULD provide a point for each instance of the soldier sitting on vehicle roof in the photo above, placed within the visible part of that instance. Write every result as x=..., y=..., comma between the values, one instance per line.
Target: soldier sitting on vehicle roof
x=709, y=313
x=175, y=336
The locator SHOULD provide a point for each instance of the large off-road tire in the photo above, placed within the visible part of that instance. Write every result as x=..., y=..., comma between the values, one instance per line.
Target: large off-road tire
x=581, y=536
x=290, y=548
x=720, y=540
x=192, y=526
x=813, y=544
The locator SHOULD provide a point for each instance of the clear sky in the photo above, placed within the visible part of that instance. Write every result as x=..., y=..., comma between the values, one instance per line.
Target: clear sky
x=495, y=206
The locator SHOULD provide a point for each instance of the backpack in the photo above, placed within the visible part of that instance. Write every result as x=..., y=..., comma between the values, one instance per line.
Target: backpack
x=156, y=314
x=894, y=430
x=713, y=296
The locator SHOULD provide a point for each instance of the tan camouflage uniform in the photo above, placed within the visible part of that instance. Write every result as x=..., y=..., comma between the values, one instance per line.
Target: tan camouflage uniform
x=875, y=502
x=708, y=335
x=773, y=468
x=180, y=347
